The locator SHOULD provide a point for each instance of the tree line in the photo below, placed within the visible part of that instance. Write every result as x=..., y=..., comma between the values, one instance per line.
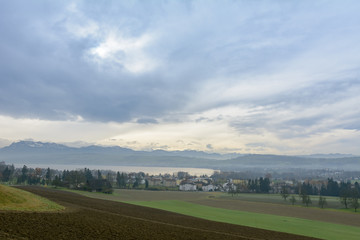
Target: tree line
x=348, y=193
x=259, y=185
x=74, y=179
x=83, y=179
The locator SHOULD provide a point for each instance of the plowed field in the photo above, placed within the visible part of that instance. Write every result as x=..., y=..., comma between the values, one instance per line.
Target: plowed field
x=87, y=218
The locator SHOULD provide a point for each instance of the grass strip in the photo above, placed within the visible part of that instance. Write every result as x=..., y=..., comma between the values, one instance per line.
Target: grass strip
x=13, y=199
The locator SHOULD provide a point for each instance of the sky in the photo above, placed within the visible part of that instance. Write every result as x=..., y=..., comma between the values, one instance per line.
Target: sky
x=264, y=77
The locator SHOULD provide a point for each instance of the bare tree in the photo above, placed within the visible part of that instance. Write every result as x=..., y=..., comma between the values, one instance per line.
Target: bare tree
x=355, y=199
x=305, y=198
x=322, y=201
x=292, y=200
x=284, y=192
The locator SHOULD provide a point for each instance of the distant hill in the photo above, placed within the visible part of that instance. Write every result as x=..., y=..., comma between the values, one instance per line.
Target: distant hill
x=39, y=152
x=291, y=162
x=35, y=147
x=331, y=155
x=30, y=152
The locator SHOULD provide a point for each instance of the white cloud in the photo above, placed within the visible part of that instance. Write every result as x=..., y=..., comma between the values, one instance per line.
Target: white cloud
x=129, y=52
x=77, y=24
x=4, y=142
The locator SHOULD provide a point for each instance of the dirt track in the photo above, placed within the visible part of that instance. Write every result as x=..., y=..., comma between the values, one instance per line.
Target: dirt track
x=87, y=218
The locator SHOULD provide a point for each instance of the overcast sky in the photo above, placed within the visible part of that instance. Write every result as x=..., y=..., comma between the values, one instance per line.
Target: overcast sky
x=279, y=77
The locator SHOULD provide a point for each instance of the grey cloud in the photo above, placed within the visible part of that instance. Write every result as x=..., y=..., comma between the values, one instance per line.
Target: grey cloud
x=147, y=121
x=304, y=122
x=351, y=124
x=44, y=72
x=255, y=145
x=44, y=76
x=251, y=124
x=203, y=119
x=328, y=95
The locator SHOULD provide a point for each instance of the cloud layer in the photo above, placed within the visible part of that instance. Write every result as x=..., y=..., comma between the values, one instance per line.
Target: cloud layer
x=276, y=77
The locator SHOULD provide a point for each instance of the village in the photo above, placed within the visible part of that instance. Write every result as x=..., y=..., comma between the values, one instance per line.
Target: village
x=326, y=183
x=232, y=183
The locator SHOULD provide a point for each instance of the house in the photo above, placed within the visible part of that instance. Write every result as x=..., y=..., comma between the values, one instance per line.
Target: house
x=199, y=184
x=187, y=187
x=239, y=181
x=208, y=188
x=229, y=186
x=169, y=182
x=155, y=181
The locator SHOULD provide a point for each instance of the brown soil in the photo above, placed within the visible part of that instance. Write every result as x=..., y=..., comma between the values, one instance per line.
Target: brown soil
x=88, y=218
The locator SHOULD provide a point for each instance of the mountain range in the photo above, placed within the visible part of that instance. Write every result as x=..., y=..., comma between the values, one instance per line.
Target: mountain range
x=31, y=152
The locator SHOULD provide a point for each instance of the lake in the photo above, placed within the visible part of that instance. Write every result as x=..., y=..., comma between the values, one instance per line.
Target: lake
x=149, y=170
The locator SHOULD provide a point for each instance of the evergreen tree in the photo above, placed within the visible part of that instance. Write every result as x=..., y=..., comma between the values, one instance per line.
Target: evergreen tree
x=48, y=176
x=88, y=174
x=332, y=188
x=118, y=179
x=6, y=174
x=264, y=185
x=23, y=177
x=56, y=182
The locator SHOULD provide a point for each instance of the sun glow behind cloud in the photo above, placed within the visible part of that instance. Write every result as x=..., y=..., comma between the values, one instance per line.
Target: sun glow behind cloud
x=128, y=52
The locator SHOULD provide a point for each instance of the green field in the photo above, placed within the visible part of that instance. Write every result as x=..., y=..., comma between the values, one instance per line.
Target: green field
x=18, y=200
x=332, y=202
x=265, y=221
x=255, y=210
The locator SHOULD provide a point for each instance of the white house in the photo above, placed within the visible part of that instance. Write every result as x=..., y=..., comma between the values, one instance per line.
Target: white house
x=229, y=186
x=187, y=187
x=208, y=188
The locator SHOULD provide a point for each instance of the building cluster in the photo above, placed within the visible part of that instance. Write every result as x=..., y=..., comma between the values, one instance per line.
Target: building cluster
x=186, y=183
x=190, y=183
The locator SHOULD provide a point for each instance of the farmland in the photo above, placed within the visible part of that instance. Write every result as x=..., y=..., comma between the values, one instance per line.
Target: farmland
x=332, y=202
x=89, y=218
x=322, y=223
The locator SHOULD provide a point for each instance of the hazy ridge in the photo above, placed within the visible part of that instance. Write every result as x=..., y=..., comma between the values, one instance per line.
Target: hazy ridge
x=30, y=152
